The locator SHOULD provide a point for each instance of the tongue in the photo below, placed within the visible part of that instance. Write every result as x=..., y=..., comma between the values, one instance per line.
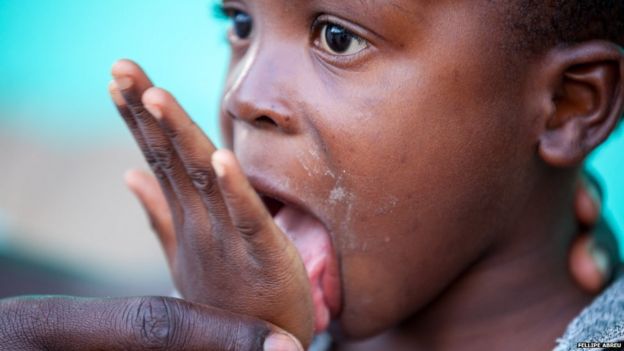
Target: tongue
x=314, y=245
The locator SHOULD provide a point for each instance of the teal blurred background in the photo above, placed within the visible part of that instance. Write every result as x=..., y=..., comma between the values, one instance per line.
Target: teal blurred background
x=56, y=59
x=63, y=149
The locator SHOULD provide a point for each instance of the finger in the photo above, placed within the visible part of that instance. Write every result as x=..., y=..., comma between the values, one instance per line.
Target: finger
x=192, y=145
x=151, y=197
x=587, y=269
x=132, y=124
x=153, y=323
x=125, y=113
x=246, y=209
x=133, y=83
x=587, y=204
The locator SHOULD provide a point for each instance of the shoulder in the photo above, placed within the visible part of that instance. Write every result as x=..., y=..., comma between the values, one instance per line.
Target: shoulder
x=602, y=321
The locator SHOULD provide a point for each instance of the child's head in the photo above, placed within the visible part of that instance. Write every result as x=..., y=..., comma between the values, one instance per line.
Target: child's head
x=427, y=136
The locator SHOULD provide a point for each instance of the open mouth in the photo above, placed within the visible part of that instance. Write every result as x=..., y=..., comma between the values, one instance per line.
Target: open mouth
x=313, y=242
x=272, y=204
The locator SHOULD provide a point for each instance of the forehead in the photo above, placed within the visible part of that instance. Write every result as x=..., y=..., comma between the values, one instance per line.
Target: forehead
x=408, y=9
x=404, y=8
x=392, y=19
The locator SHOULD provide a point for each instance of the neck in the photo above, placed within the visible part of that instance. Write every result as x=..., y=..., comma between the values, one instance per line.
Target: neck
x=518, y=296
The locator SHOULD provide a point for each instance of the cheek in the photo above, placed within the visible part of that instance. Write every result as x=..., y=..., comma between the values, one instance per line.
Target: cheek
x=426, y=166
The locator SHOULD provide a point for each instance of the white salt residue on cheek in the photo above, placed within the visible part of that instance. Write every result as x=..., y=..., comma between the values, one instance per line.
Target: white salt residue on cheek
x=386, y=205
x=330, y=174
x=359, y=241
x=303, y=156
x=307, y=169
x=310, y=170
x=314, y=154
x=339, y=201
x=337, y=194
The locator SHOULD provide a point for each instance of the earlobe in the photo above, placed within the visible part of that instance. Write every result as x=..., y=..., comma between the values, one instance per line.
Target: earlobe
x=588, y=97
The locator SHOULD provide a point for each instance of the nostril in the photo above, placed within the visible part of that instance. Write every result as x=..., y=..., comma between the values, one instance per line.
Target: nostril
x=265, y=121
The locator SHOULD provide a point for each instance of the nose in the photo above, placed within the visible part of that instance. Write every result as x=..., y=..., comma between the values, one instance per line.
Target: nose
x=260, y=90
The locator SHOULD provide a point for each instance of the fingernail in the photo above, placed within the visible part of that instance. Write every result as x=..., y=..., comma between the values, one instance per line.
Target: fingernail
x=218, y=164
x=154, y=111
x=123, y=82
x=601, y=259
x=282, y=342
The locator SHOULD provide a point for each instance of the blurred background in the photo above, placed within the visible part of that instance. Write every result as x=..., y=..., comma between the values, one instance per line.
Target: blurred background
x=66, y=217
x=67, y=223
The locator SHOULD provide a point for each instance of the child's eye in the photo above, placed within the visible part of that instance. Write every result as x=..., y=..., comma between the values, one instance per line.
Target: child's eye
x=337, y=40
x=242, y=24
x=241, y=21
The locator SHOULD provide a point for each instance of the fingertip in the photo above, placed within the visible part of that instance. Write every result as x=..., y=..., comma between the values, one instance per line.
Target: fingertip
x=155, y=100
x=124, y=67
x=281, y=341
x=224, y=155
x=587, y=207
x=138, y=179
x=156, y=96
x=122, y=71
x=584, y=267
x=115, y=93
x=129, y=74
x=221, y=159
x=132, y=178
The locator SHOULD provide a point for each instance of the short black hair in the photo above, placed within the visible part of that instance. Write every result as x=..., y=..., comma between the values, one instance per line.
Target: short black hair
x=538, y=25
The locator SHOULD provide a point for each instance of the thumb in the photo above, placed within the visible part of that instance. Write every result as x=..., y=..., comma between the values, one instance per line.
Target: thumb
x=146, y=188
x=143, y=323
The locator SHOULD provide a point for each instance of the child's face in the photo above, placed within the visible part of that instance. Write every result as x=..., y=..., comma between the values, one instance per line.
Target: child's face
x=407, y=146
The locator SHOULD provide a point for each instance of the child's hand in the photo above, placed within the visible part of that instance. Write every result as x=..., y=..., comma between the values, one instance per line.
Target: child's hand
x=222, y=244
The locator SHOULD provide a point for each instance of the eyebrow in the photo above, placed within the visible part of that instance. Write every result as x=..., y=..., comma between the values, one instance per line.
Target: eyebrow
x=409, y=14
x=397, y=6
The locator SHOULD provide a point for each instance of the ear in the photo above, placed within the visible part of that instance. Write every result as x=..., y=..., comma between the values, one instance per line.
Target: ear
x=586, y=87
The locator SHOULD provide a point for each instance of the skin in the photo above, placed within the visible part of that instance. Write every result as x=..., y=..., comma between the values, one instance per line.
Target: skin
x=423, y=136
x=455, y=146
x=424, y=133
x=78, y=323
x=145, y=323
x=591, y=274
x=228, y=252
